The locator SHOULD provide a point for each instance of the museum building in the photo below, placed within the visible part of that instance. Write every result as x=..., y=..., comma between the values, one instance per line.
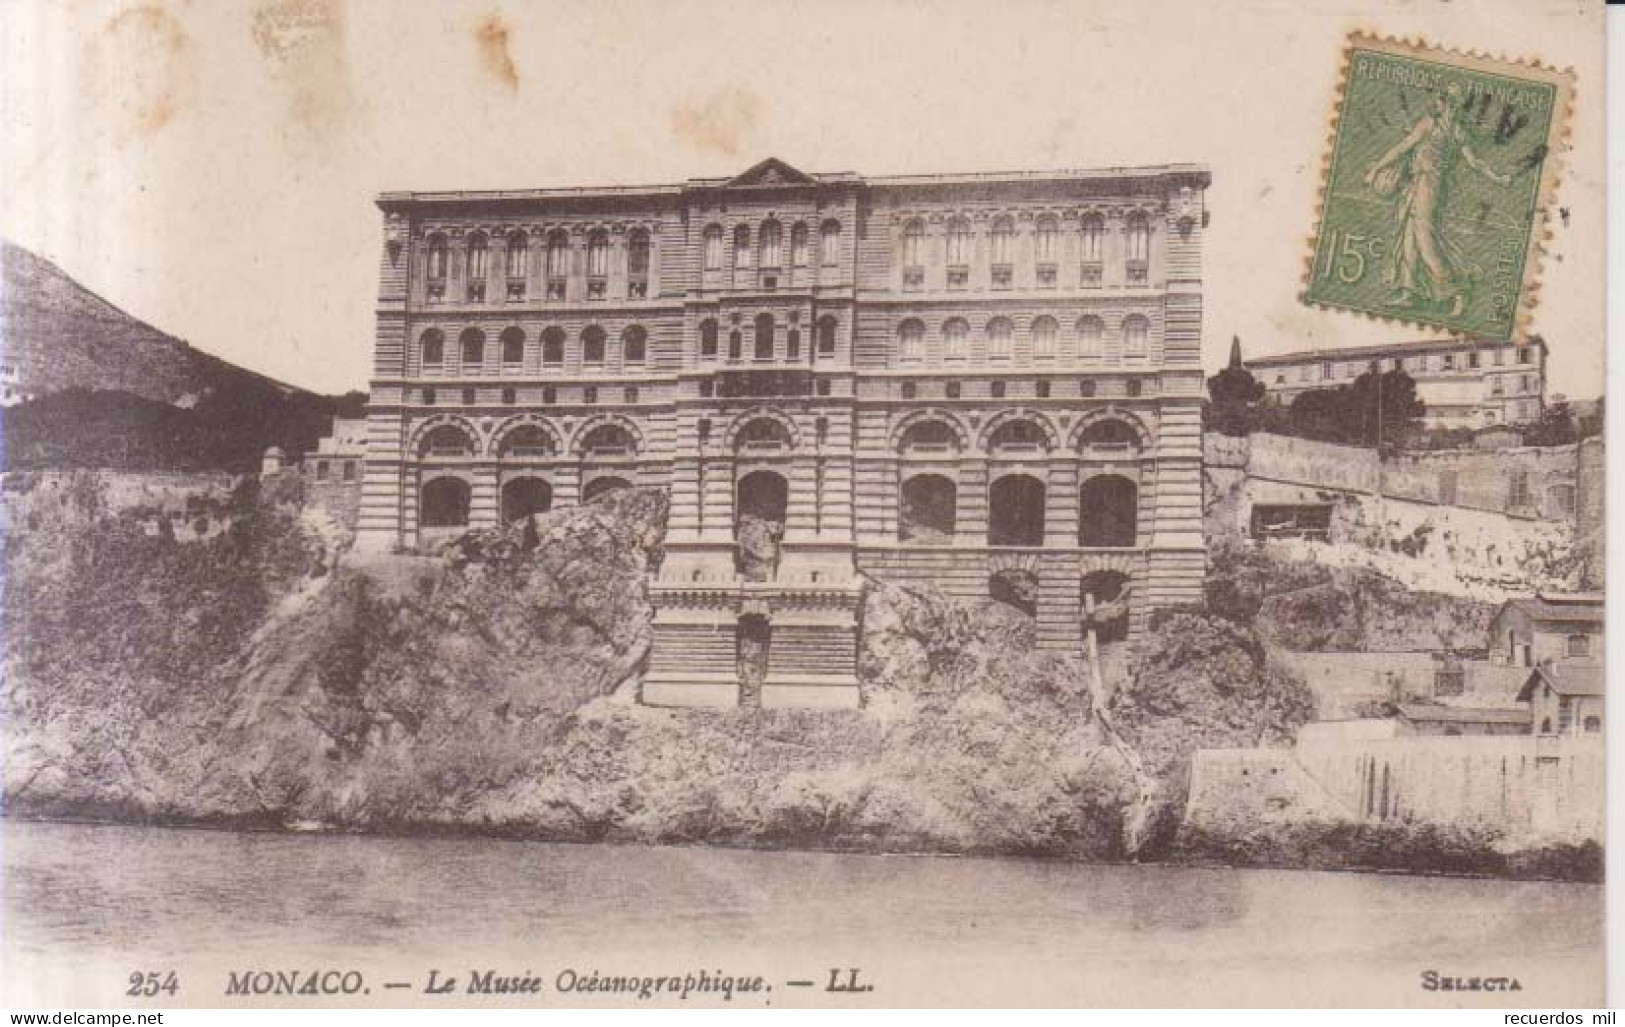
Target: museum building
x=986, y=383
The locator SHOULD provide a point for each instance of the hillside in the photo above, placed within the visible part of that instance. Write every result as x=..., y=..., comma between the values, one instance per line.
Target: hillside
x=108, y=390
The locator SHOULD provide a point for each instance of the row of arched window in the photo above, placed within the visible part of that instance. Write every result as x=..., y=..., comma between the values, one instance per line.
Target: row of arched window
x=959, y=247
x=1045, y=333
x=556, y=262
x=594, y=346
x=767, y=249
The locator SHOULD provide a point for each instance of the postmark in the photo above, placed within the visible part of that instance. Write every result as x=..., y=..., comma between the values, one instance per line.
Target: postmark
x=1437, y=186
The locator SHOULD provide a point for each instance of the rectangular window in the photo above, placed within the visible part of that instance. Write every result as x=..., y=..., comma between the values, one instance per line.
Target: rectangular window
x=428, y=397
x=321, y=470
x=631, y=394
x=589, y=395
x=1579, y=645
x=1133, y=387
x=1518, y=489
x=1449, y=361
x=1086, y=389
x=468, y=397
x=508, y=397
x=1472, y=359
x=1041, y=389
x=1500, y=357
x=823, y=387
x=997, y=390
x=550, y=395
x=349, y=470
x=953, y=390
x=910, y=390
x=1524, y=355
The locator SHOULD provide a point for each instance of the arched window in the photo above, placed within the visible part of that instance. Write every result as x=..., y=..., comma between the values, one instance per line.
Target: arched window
x=1046, y=240
x=472, y=344
x=928, y=438
x=637, y=264
x=597, y=264
x=764, y=336
x=798, y=244
x=444, y=503
x=433, y=345
x=998, y=337
x=600, y=487
x=526, y=442
x=829, y=238
x=764, y=434
x=518, y=259
x=1045, y=332
x=1135, y=331
x=914, y=243
x=826, y=335
x=1094, y=234
x=1138, y=247
x=1016, y=511
x=713, y=247
x=955, y=338
x=557, y=263
x=435, y=269
x=1018, y=435
x=634, y=344
x=772, y=239
x=476, y=259
x=1110, y=437
x=792, y=344
x=959, y=242
x=609, y=440
x=1003, y=239
x=553, y=346
x=742, y=246
x=926, y=510
x=911, y=339
x=708, y=338
x=1108, y=511
x=513, y=345
x=736, y=345
x=1091, y=330
x=592, y=345
x=523, y=497
x=446, y=441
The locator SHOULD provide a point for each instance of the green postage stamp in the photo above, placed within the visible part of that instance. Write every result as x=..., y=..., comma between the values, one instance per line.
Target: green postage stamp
x=1435, y=194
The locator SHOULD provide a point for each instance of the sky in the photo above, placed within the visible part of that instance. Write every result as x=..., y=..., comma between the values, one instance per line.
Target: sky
x=210, y=166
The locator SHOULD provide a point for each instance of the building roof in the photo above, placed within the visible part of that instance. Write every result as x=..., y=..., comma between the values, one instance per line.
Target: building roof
x=1422, y=712
x=1586, y=607
x=1567, y=677
x=1394, y=349
x=775, y=173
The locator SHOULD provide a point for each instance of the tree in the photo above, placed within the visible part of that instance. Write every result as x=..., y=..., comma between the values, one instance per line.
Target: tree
x=1375, y=407
x=1234, y=398
x=1556, y=427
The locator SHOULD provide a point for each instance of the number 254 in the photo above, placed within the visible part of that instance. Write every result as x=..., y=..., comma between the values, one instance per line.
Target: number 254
x=152, y=983
x=1348, y=258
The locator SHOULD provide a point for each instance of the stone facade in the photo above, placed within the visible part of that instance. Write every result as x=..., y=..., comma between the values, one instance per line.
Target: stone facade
x=989, y=383
x=1464, y=383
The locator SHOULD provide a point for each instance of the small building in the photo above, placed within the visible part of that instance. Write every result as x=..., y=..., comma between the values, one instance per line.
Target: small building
x=1549, y=627
x=1428, y=719
x=339, y=454
x=1565, y=698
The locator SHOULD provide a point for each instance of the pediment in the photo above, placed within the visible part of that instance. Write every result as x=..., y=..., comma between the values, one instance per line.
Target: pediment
x=769, y=173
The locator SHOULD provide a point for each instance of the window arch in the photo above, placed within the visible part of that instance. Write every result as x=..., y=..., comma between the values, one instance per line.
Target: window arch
x=826, y=334
x=432, y=344
x=1016, y=511
x=553, y=346
x=1018, y=435
x=1110, y=436
x=557, y=262
x=634, y=344
x=598, y=254
x=713, y=247
x=444, y=503
x=435, y=264
x=959, y=242
x=1046, y=239
x=927, y=510
x=1138, y=230
x=763, y=434
x=637, y=264
x=1045, y=332
x=914, y=243
x=708, y=337
x=609, y=440
x=513, y=345
x=477, y=257
x=742, y=246
x=592, y=345
x=929, y=437
x=526, y=442
x=829, y=239
x=1091, y=332
x=445, y=441
x=1003, y=239
x=999, y=334
x=472, y=346
x=911, y=339
x=1093, y=229
x=1136, y=330
x=1108, y=511
x=518, y=255
x=764, y=336
x=772, y=242
x=955, y=338
x=524, y=497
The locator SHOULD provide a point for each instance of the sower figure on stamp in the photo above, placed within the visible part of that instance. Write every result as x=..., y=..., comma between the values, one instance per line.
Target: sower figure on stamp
x=1422, y=259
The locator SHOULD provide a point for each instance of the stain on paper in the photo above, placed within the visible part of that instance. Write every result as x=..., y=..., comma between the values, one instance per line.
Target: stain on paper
x=720, y=123
x=143, y=66
x=493, y=36
x=303, y=42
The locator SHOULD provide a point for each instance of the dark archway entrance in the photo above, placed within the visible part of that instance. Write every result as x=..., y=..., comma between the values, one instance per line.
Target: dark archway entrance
x=1108, y=511
x=927, y=510
x=522, y=497
x=445, y=503
x=761, y=503
x=1017, y=589
x=603, y=487
x=1016, y=511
